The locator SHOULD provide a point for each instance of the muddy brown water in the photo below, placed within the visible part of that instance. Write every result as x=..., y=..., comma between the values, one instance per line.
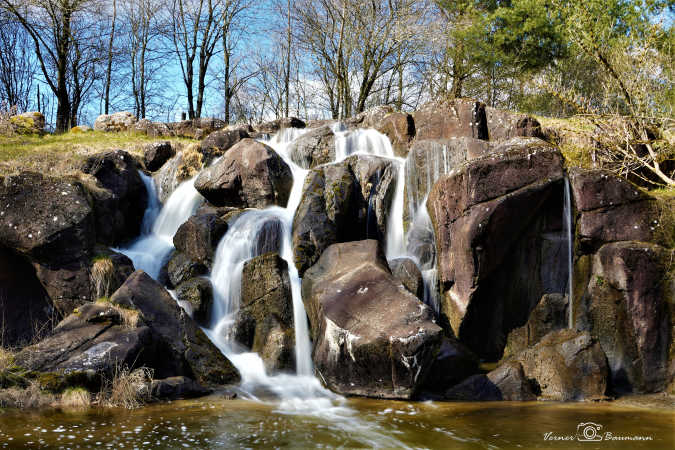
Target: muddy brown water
x=213, y=422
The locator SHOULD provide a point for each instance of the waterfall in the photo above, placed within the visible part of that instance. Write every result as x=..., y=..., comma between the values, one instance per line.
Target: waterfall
x=151, y=249
x=361, y=142
x=395, y=235
x=567, y=225
x=154, y=205
x=239, y=245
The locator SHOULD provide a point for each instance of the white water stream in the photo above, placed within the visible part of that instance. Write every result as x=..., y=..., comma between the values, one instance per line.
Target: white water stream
x=299, y=393
x=151, y=249
x=567, y=225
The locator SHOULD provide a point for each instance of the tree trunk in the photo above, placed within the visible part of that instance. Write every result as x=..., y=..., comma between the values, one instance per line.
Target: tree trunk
x=110, y=57
x=63, y=109
x=226, y=60
x=287, y=75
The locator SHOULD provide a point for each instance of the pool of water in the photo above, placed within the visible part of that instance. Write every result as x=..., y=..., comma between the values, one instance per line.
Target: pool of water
x=214, y=422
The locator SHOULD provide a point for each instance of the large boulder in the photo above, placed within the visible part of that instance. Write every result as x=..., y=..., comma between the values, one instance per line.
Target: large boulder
x=264, y=323
x=120, y=197
x=508, y=382
x=28, y=123
x=566, y=365
x=497, y=223
x=612, y=209
x=429, y=159
x=96, y=338
x=399, y=127
x=452, y=118
x=627, y=307
x=189, y=351
x=25, y=306
x=342, y=202
x=623, y=265
x=197, y=295
x=550, y=314
x=371, y=336
x=153, y=129
x=199, y=236
x=218, y=142
x=504, y=125
x=250, y=175
x=156, y=154
x=407, y=272
x=120, y=121
x=273, y=126
x=314, y=148
x=50, y=222
x=48, y=219
x=196, y=128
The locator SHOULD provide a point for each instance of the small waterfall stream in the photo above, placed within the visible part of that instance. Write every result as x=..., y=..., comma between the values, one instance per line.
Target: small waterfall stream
x=569, y=233
x=151, y=249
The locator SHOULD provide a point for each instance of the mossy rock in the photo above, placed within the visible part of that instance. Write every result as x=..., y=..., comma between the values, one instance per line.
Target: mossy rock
x=28, y=123
x=80, y=129
x=57, y=382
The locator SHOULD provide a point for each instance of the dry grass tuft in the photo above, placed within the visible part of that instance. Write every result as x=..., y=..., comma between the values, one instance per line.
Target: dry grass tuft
x=28, y=398
x=102, y=275
x=130, y=317
x=75, y=398
x=127, y=389
x=191, y=162
x=6, y=359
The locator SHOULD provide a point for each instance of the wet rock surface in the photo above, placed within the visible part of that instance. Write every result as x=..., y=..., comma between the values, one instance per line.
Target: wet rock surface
x=342, y=202
x=314, y=148
x=198, y=293
x=199, y=236
x=497, y=226
x=193, y=354
x=371, y=337
x=407, y=272
x=399, y=127
x=625, y=306
x=250, y=175
x=273, y=126
x=264, y=323
x=566, y=365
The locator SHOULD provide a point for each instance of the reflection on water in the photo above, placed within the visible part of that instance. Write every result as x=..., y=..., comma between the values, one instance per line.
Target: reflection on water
x=217, y=423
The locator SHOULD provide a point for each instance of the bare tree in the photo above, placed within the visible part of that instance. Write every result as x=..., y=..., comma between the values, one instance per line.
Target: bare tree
x=61, y=31
x=17, y=65
x=353, y=44
x=195, y=33
x=108, y=71
x=142, y=30
x=232, y=18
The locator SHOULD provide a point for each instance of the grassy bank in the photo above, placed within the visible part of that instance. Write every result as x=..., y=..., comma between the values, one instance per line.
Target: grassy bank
x=64, y=153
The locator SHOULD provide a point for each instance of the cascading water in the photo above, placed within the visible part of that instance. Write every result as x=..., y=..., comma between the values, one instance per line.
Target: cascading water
x=301, y=393
x=567, y=225
x=150, y=251
x=239, y=245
